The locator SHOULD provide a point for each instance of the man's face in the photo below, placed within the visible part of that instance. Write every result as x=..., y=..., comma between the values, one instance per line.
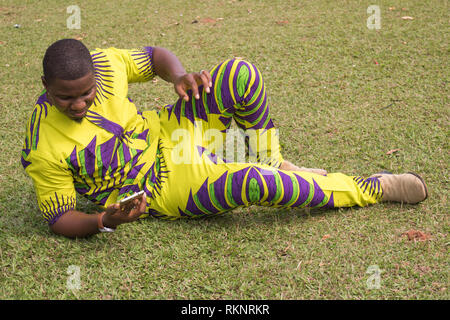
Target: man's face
x=72, y=97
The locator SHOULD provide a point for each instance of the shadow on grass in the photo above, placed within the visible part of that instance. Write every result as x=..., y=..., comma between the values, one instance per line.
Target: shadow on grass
x=249, y=217
x=244, y=218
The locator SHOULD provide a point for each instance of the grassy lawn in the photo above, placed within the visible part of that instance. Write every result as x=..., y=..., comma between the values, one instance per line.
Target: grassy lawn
x=342, y=95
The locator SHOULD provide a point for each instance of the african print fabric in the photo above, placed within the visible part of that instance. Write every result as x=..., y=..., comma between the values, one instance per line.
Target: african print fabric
x=180, y=155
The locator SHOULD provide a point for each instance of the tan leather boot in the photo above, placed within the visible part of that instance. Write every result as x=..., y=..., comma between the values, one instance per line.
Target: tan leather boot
x=288, y=166
x=408, y=187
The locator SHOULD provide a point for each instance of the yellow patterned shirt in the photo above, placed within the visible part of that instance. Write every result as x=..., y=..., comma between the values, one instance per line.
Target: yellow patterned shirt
x=112, y=152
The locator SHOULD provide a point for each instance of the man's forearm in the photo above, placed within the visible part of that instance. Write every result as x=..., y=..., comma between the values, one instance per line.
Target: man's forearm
x=76, y=224
x=167, y=65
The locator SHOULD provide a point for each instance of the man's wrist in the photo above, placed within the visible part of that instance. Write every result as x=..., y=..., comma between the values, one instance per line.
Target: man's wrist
x=104, y=223
x=176, y=76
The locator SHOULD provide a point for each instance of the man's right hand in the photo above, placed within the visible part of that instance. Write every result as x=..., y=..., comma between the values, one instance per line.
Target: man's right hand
x=115, y=215
x=77, y=224
x=191, y=81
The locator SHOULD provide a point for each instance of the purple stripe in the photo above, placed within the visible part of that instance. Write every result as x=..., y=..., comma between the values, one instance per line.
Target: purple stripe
x=82, y=190
x=254, y=105
x=143, y=135
x=114, y=162
x=74, y=160
x=42, y=99
x=287, y=187
x=237, y=184
x=100, y=77
x=126, y=153
x=269, y=178
x=235, y=84
x=99, y=65
x=143, y=64
x=57, y=201
x=100, y=91
x=89, y=157
x=210, y=98
x=147, y=191
x=182, y=214
x=254, y=116
x=94, y=55
x=211, y=156
x=318, y=196
x=100, y=71
x=304, y=187
x=260, y=124
x=135, y=171
x=330, y=203
x=169, y=109
x=126, y=189
x=254, y=86
x=149, y=50
x=269, y=125
x=42, y=102
x=106, y=124
x=99, y=62
x=192, y=207
x=220, y=191
x=122, y=174
x=226, y=121
x=106, y=151
x=104, y=90
x=152, y=174
x=136, y=157
x=227, y=100
x=177, y=110
x=25, y=163
x=203, y=197
x=33, y=116
x=200, y=150
x=37, y=128
x=188, y=112
x=52, y=208
x=200, y=107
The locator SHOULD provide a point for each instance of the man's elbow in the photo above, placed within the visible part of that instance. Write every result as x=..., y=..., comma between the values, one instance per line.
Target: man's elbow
x=59, y=231
x=70, y=225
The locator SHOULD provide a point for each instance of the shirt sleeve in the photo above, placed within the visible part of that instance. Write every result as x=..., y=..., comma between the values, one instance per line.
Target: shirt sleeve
x=53, y=185
x=138, y=63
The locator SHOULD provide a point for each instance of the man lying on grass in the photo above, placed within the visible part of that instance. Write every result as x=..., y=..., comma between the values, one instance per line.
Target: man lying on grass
x=86, y=136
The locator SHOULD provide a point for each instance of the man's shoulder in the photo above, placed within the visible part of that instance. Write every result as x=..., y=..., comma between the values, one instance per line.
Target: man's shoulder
x=42, y=101
x=102, y=55
x=40, y=111
x=119, y=55
x=42, y=128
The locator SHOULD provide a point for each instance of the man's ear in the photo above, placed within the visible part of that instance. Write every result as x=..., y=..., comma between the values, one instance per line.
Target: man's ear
x=44, y=83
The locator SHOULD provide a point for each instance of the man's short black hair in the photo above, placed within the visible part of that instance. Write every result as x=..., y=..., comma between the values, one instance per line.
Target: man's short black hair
x=67, y=59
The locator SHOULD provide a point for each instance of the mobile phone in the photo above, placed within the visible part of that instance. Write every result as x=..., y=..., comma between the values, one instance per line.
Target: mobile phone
x=124, y=202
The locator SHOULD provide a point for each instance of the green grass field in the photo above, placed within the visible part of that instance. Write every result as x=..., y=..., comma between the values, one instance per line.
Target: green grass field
x=342, y=95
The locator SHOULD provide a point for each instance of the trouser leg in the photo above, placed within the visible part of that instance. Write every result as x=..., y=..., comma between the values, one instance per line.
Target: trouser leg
x=216, y=188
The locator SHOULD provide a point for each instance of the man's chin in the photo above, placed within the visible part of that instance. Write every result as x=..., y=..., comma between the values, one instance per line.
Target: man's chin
x=77, y=119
